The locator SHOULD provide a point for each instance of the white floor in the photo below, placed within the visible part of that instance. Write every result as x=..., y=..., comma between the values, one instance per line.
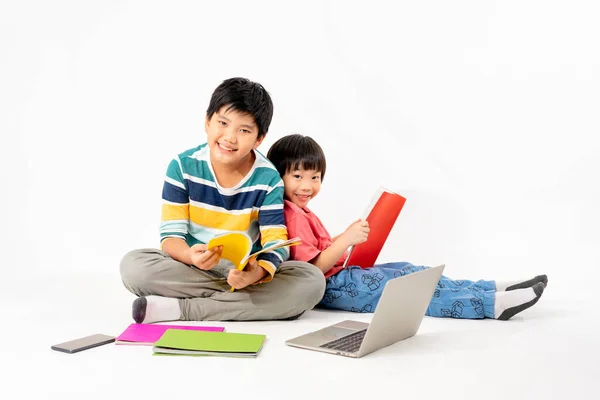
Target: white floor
x=549, y=351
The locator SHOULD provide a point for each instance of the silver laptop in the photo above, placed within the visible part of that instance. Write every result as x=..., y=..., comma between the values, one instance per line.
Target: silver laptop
x=398, y=316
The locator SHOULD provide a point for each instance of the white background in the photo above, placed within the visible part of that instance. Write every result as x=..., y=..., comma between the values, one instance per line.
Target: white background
x=485, y=115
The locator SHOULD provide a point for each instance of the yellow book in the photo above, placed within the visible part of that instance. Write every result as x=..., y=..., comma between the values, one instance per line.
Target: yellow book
x=238, y=245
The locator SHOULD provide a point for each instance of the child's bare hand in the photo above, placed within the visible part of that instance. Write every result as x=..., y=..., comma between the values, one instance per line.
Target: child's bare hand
x=203, y=258
x=357, y=233
x=251, y=274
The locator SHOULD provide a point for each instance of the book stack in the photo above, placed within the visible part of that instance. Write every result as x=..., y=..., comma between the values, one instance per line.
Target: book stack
x=192, y=340
x=203, y=343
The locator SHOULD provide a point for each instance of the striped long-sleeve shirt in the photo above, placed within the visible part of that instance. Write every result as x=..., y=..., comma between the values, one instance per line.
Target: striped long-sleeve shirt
x=196, y=208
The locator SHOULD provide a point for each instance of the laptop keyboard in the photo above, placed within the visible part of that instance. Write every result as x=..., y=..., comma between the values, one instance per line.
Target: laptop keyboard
x=349, y=344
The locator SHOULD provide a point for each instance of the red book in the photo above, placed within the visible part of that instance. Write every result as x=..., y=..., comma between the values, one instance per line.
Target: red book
x=381, y=216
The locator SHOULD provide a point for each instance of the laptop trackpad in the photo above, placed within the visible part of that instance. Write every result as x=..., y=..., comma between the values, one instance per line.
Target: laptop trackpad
x=334, y=332
x=328, y=334
x=320, y=337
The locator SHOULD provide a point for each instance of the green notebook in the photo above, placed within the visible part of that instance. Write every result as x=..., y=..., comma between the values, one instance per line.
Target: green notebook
x=186, y=342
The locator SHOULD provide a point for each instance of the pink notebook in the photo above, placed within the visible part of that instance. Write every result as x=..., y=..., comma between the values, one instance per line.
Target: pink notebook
x=147, y=334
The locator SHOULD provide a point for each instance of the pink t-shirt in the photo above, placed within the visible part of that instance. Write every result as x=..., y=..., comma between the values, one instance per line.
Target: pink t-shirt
x=302, y=223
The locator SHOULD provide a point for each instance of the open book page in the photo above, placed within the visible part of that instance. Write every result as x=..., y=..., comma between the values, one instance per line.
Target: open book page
x=372, y=203
x=236, y=246
x=291, y=242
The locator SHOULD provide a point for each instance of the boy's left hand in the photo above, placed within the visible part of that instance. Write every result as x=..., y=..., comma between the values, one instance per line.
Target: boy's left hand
x=251, y=274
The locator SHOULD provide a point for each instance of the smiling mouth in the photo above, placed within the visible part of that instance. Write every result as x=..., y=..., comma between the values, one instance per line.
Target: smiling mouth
x=222, y=147
x=303, y=196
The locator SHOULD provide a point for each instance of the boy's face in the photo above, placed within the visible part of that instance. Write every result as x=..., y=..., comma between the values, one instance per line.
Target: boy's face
x=301, y=185
x=231, y=137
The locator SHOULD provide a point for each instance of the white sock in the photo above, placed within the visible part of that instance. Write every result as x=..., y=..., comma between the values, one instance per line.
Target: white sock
x=502, y=285
x=507, y=304
x=512, y=285
x=149, y=309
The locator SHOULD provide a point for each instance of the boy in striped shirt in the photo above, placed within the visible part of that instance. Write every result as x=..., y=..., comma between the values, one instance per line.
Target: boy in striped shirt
x=223, y=185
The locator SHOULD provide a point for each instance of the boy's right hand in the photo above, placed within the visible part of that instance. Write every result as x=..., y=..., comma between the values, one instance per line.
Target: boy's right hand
x=203, y=258
x=356, y=233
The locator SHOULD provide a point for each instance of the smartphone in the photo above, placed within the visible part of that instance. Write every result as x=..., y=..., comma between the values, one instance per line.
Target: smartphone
x=84, y=343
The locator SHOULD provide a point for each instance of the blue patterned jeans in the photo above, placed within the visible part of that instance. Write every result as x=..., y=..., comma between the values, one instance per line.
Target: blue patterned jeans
x=356, y=289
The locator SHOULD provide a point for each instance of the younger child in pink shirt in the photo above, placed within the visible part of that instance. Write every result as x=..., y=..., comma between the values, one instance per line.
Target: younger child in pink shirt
x=301, y=163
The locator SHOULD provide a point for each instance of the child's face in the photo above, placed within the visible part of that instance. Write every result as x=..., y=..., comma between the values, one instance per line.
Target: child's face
x=231, y=137
x=301, y=185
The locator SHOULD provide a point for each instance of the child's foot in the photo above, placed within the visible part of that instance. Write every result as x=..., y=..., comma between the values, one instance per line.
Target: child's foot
x=509, y=304
x=149, y=309
x=513, y=285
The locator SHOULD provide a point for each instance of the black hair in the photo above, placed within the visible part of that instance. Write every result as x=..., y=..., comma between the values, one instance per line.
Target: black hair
x=244, y=96
x=294, y=152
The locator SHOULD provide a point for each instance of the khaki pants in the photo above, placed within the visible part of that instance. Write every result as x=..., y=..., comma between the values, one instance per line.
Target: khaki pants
x=204, y=295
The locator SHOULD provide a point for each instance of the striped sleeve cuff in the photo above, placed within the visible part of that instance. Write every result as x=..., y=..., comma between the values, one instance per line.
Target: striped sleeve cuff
x=269, y=268
x=173, y=229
